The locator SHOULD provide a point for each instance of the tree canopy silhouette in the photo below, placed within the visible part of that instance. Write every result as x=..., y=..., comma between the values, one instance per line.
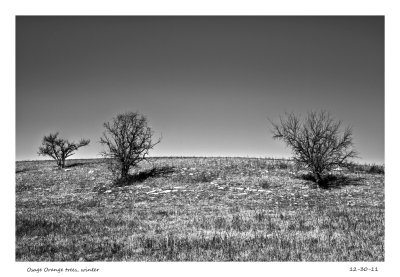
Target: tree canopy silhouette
x=317, y=141
x=127, y=139
x=59, y=149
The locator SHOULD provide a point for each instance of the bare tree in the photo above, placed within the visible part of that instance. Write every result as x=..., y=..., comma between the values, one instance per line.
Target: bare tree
x=317, y=141
x=59, y=149
x=128, y=140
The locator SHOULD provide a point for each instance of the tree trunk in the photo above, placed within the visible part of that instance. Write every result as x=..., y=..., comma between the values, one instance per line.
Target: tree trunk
x=318, y=178
x=124, y=172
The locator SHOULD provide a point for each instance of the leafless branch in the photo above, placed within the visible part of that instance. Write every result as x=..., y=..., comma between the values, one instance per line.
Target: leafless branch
x=127, y=140
x=59, y=149
x=317, y=141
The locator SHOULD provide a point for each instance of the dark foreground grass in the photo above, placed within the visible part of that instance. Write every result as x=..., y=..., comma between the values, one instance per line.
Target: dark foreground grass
x=197, y=209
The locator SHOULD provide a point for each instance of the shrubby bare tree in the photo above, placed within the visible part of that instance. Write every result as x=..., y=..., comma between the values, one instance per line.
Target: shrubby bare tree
x=317, y=142
x=128, y=140
x=59, y=149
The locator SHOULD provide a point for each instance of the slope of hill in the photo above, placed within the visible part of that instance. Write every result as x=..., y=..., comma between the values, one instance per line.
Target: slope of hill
x=196, y=209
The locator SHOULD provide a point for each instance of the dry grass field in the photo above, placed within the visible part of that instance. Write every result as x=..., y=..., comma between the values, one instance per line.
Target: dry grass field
x=197, y=209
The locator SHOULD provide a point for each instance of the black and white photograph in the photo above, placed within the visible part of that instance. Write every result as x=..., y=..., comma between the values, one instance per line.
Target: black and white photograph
x=200, y=138
x=177, y=139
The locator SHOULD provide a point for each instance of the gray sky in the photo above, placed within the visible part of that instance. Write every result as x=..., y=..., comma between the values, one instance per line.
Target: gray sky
x=207, y=84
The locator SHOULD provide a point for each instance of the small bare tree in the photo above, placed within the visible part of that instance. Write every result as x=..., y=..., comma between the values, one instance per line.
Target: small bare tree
x=59, y=149
x=317, y=141
x=128, y=140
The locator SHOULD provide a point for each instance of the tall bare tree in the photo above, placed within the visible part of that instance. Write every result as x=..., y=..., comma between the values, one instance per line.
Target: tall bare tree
x=317, y=142
x=128, y=140
x=59, y=149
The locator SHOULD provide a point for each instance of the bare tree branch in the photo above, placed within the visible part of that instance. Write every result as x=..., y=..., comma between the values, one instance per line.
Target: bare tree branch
x=59, y=149
x=317, y=141
x=128, y=140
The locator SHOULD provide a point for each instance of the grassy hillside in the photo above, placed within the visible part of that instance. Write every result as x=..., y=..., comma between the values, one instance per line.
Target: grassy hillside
x=197, y=209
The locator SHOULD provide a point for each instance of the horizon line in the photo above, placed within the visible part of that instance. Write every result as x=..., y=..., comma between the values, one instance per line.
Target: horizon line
x=187, y=157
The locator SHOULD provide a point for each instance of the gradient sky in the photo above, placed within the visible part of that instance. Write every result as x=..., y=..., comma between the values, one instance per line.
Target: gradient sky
x=207, y=84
